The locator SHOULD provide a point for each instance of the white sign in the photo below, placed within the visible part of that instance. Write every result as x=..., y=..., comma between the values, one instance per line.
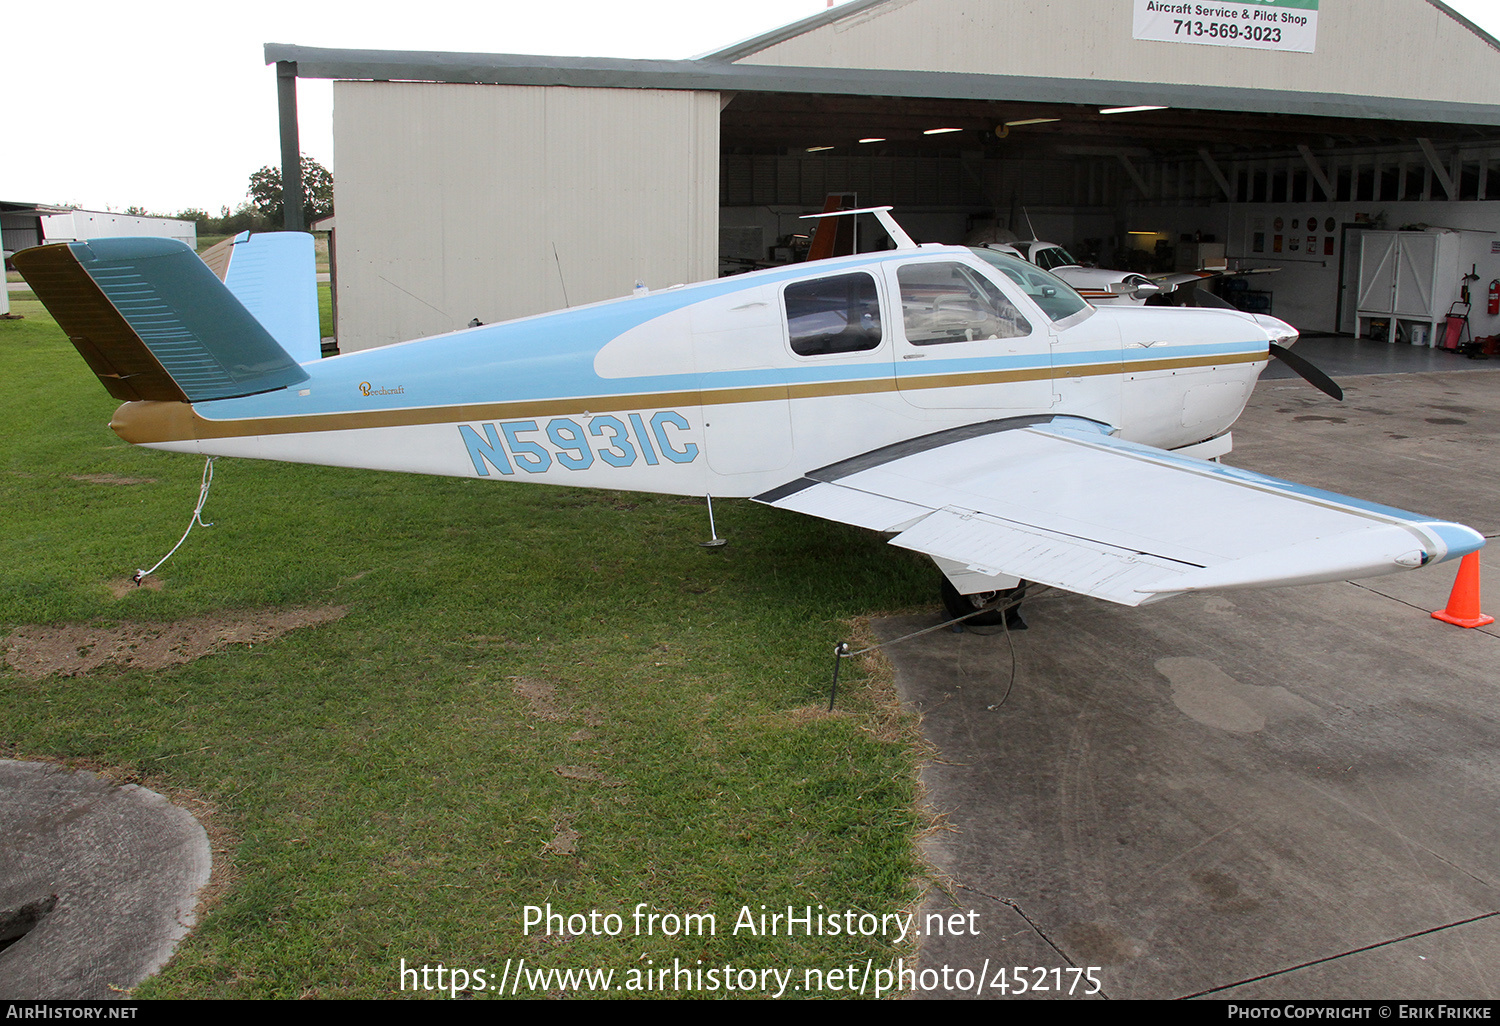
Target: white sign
x=1259, y=24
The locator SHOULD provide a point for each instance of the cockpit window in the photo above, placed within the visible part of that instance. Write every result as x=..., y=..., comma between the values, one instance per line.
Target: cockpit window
x=1055, y=296
x=1048, y=257
x=839, y=314
x=948, y=302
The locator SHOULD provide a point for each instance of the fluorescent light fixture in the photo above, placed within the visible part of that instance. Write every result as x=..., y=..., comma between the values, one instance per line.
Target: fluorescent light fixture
x=1129, y=110
x=874, y=138
x=1142, y=233
x=818, y=149
x=940, y=131
x=1030, y=121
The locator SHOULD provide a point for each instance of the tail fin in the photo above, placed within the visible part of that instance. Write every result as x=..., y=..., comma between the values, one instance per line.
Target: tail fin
x=275, y=275
x=153, y=322
x=834, y=237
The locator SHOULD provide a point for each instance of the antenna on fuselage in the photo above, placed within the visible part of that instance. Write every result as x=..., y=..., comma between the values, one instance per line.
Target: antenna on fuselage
x=882, y=214
x=560, y=279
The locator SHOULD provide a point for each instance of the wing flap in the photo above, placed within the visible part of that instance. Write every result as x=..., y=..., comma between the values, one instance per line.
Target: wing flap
x=990, y=546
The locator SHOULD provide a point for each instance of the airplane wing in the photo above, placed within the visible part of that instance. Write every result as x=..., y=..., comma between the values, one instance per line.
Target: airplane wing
x=1177, y=279
x=1061, y=502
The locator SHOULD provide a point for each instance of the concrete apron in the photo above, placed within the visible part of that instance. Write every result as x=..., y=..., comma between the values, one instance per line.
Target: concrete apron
x=1262, y=794
x=100, y=882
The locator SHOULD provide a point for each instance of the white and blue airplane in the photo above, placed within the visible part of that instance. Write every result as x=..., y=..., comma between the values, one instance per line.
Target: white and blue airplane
x=966, y=403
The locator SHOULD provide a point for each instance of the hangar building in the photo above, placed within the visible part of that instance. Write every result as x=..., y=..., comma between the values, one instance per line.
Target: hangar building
x=493, y=186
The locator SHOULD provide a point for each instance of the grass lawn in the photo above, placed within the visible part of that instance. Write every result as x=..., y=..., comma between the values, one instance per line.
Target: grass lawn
x=536, y=696
x=325, y=310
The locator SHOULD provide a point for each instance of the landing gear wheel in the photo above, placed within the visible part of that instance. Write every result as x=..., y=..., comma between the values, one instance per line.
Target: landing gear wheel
x=962, y=605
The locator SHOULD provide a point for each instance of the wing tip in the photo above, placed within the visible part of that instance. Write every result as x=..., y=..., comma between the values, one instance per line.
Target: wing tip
x=1459, y=539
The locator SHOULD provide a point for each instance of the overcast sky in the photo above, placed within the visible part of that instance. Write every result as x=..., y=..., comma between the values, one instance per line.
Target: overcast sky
x=168, y=104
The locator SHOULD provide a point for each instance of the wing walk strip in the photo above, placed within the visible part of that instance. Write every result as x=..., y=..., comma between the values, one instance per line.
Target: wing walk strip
x=165, y=422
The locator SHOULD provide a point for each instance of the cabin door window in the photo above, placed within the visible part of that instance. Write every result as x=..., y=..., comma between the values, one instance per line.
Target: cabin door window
x=965, y=344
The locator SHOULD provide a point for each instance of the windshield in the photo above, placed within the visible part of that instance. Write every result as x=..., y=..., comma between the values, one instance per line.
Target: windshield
x=1048, y=257
x=1055, y=296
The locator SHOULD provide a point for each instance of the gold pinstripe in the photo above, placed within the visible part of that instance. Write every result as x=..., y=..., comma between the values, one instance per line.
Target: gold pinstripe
x=147, y=422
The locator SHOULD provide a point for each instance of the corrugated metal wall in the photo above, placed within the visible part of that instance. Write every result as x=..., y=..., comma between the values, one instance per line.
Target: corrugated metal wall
x=1397, y=48
x=464, y=201
x=20, y=231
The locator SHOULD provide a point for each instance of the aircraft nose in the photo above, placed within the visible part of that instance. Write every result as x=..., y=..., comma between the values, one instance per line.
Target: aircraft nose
x=1282, y=333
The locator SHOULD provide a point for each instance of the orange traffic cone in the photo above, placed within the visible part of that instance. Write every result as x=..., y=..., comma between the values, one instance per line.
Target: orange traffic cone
x=1463, y=603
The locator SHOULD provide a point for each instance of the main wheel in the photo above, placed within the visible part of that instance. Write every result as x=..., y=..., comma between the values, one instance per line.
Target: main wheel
x=963, y=605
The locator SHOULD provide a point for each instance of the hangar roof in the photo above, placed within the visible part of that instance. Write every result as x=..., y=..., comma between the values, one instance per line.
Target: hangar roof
x=844, y=12
x=1381, y=50
x=1398, y=60
x=702, y=74
x=14, y=207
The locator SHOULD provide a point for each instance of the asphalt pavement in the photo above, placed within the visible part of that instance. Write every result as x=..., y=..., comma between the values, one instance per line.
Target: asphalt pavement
x=1289, y=793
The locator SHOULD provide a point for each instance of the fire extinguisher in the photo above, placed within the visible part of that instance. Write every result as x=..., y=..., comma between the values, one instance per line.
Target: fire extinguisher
x=1494, y=306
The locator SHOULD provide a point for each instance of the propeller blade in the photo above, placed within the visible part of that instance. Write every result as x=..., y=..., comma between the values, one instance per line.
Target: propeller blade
x=1314, y=377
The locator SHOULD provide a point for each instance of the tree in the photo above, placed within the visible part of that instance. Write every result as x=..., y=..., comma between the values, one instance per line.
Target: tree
x=317, y=192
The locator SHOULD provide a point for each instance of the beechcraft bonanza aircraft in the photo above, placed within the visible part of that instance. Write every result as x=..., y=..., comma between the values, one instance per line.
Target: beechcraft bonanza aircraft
x=968, y=404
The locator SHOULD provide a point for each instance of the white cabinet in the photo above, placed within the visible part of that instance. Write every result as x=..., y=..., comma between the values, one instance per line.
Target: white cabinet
x=1192, y=256
x=1407, y=276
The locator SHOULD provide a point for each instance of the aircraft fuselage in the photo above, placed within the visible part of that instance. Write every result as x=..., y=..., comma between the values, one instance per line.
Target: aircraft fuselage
x=733, y=386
